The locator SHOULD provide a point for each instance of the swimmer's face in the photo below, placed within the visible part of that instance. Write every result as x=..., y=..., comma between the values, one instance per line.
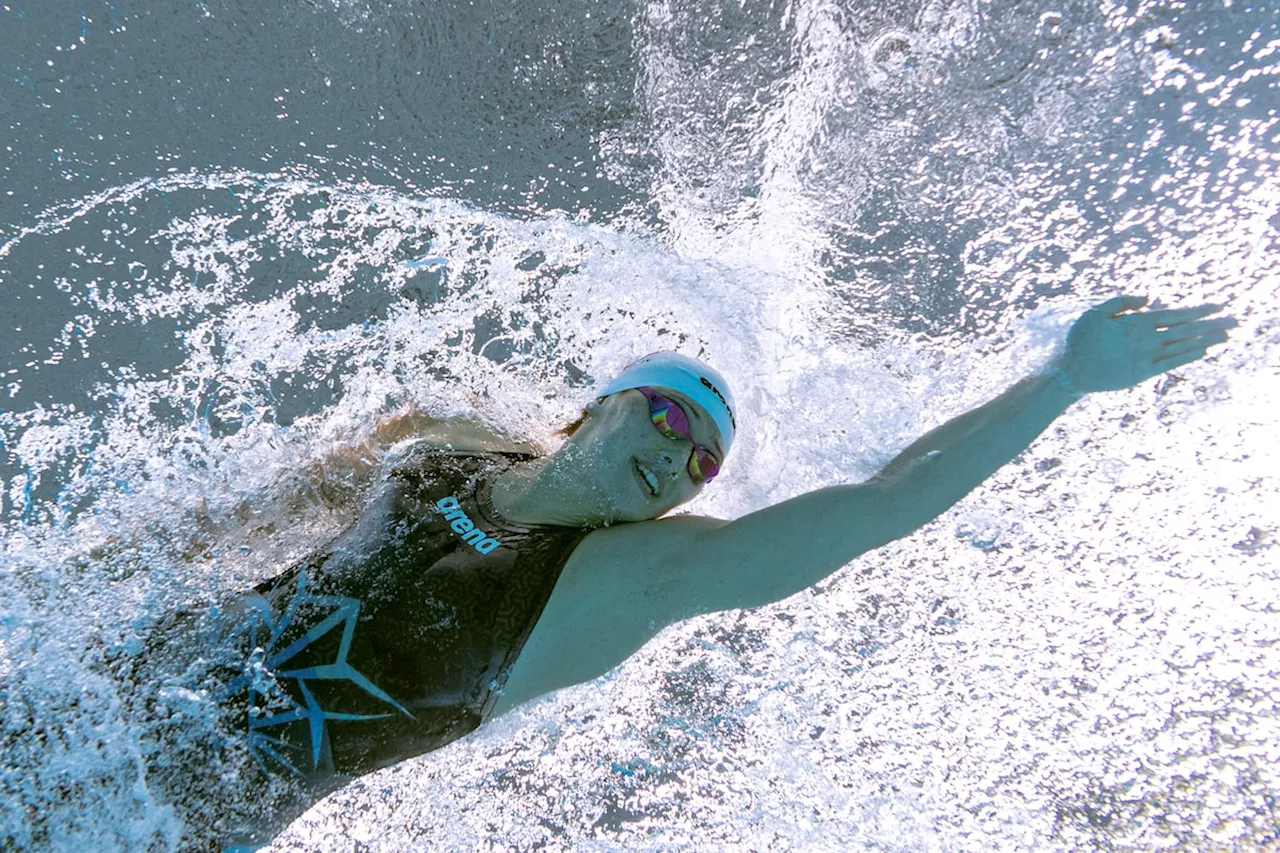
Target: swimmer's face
x=634, y=471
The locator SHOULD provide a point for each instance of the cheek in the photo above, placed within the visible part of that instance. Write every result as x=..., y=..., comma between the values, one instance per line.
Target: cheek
x=686, y=493
x=680, y=492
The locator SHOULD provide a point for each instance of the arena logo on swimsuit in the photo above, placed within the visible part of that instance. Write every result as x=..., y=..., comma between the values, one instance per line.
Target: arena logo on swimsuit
x=462, y=525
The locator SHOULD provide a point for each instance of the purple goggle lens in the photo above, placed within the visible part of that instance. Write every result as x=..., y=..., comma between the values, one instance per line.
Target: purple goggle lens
x=670, y=420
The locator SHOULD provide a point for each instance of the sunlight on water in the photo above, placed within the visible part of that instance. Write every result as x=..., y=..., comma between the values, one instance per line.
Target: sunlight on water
x=869, y=220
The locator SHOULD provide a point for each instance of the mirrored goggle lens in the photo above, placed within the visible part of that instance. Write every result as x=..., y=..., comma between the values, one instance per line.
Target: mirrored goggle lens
x=702, y=465
x=669, y=417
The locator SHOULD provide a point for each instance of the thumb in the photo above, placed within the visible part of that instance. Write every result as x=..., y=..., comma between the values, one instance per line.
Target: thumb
x=1119, y=304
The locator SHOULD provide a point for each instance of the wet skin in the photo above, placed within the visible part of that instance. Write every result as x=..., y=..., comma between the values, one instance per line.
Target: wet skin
x=618, y=467
x=624, y=583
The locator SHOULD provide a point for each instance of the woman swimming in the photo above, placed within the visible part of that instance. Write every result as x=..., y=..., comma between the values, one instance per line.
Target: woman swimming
x=476, y=579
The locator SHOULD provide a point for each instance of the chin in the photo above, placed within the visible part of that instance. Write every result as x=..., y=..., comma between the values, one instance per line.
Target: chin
x=632, y=513
x=631, y=516
x=653, y=511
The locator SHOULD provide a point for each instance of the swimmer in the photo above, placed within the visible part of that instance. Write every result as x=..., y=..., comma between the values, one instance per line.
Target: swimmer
x=477, y=578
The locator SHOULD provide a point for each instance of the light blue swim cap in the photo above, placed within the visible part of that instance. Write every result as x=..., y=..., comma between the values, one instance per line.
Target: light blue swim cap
x=697, y=381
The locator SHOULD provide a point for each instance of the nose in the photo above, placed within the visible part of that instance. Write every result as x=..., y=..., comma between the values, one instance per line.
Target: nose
x=670, y=463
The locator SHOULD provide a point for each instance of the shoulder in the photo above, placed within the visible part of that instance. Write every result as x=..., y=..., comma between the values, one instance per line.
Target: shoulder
x=650, y=565
x=458, y=443
x=646, y=540
x=620, y=587
x=461, y=437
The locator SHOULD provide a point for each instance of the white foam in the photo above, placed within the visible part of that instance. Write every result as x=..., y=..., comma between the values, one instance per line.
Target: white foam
x=1083, y=645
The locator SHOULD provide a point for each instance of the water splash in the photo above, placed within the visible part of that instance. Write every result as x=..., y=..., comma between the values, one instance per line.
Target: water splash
x=869, y=219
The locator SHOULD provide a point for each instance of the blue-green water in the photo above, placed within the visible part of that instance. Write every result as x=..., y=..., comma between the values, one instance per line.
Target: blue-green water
x=231, y=236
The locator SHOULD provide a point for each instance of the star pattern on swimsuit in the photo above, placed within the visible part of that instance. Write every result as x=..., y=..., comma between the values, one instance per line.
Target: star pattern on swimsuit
x=265, y=632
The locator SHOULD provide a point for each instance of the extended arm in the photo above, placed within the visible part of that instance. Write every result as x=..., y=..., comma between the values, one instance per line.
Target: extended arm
x=782, y=549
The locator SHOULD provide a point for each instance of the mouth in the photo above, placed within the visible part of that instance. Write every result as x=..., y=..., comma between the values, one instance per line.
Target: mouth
x=647, y=479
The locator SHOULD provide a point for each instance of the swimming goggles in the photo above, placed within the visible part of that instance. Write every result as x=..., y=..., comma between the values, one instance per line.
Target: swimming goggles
x=670, y=420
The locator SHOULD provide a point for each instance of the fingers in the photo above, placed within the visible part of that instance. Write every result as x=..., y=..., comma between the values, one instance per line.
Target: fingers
x=1189, y=331
x=1178, y=316
x=1174, y=353
x=1173, y=362
x=1120, y=304
x=1174, y=350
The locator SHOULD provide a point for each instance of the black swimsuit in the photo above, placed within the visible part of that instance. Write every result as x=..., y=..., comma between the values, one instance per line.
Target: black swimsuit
x=393, y=643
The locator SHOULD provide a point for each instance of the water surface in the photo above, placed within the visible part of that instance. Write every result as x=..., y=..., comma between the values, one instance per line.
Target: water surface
x=232, y=236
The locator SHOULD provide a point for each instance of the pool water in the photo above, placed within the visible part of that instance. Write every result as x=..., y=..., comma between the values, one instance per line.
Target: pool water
x=233, y=235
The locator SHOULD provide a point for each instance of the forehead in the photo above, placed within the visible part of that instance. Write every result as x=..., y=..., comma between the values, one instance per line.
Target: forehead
x=702, y=427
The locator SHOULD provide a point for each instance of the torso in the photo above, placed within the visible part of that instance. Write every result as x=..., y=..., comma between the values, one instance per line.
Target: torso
x=403, y=635
x=395, y=641
x=406, y=634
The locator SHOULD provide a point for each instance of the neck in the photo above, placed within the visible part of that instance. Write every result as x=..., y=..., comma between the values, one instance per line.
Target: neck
x=542, y=491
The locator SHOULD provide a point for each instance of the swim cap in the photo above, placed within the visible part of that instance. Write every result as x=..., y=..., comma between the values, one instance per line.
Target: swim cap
x=690, y=377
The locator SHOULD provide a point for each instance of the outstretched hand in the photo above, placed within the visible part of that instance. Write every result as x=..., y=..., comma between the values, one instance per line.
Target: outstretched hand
x=1114, y=345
